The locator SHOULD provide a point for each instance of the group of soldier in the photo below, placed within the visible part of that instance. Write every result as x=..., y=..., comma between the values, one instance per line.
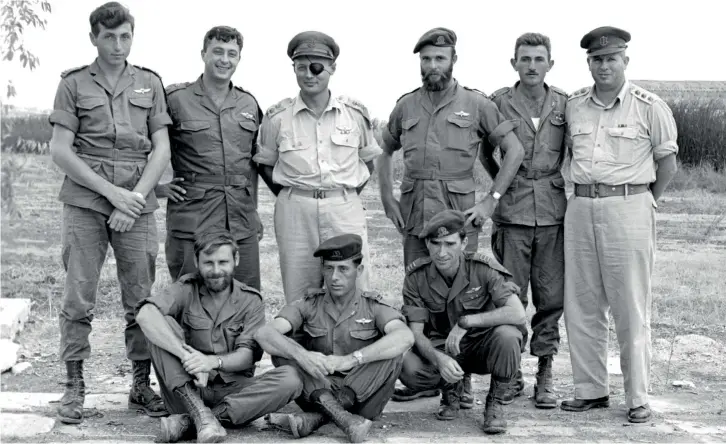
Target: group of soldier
x=572, y=204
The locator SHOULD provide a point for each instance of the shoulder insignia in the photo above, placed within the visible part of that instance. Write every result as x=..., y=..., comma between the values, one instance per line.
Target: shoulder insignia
x=474, y=90
x=246, y=287
x=278, y=107
x=376, y=297
x=489, y=261
x=558, y=90
x=314, y=292
x=579, y=93
x=499, y=92
x=418, y=263
x=642, y=94
x=355, y=104
x=177, y=86
x=148, y=70
x=408, y=93
x=72, y=70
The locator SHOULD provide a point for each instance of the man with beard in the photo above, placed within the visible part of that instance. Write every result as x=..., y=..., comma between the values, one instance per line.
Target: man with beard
x=527, y=232
x=439, y=128
x=465, y=316
x=110, y=139
x=213, y=139
x=200, y=331
x=622, y=142
x=316, y=152
x=349, y=353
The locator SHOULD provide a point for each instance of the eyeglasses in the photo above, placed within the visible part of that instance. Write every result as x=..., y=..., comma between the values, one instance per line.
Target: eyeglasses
x=315, y=68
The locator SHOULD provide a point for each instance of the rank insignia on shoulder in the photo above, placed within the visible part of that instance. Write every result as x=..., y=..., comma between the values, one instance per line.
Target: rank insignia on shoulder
x=462, y=114
x=142, y=90
x=364, y=321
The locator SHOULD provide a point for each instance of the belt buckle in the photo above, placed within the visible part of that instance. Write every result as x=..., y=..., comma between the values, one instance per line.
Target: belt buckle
x=596, y=190
x=319, y=194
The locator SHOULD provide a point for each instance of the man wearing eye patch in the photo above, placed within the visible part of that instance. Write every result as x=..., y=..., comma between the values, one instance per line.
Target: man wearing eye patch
x=316, y=153
x=213, y=139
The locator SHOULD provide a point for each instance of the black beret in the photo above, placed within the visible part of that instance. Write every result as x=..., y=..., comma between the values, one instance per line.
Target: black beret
x=436, y=37
x=443, y=224
x=605, y=40
x=313, y=43
x=340, y=248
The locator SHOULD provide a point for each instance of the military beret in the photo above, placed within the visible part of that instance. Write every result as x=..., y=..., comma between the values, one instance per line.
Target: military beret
x=340, y=248
x=605, y=40
x=443, y=224
x=436, y=37
x=313, y=43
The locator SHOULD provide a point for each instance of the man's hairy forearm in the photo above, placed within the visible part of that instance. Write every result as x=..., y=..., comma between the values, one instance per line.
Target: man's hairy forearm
x=506, y=315
x=425, y=347
x=389, y=346
x=667, y=168
x=513, y=156
x=237, y=361
x=158, y=161
x=277, y=344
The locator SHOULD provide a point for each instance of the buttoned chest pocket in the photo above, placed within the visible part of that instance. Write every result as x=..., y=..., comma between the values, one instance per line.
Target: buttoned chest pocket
x=298, y=155
x=582, y=140
x=363, y=336
x=622, y=142
x=556, y=132
x=198, y=333
x=411, y=134
x=195, y=134
x=473, y=302
x=92, y=115
x=245, y=137
x=139, y=110
x=459, y=132
x=317, y=337
x=344, y=149
x=232, y=332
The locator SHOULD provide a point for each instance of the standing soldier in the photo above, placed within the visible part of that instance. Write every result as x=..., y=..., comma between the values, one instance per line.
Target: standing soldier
x=527, y=232
x=318, y=150
x=439, y=128
x=212, y=144
x=623, y=149
x=107, y=118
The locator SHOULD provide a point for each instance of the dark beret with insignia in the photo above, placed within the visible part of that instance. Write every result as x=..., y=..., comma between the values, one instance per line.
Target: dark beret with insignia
x=436, y=37
x=443, y=224
x=340, y=248
x=605, y=40
x=313, y=43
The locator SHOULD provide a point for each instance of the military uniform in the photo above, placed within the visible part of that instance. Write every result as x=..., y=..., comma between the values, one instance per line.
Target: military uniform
x=527, y=233
x=610, y=226
x=191, y=314
x=320, y=162
x=113, y=128
x=212, y=149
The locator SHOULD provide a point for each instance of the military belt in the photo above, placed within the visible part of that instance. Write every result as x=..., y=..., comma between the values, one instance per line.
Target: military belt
x=213, y=179
x=438, y=175
x=536, y=174
x=113, y=153
x=320, y=194
x=603, y=190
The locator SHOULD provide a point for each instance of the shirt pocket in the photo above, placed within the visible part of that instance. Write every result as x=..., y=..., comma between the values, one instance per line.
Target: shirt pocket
x=246, y=137
x=344, y=150
x=139, y=109
x=364, y=334
x=473, y=302
x=461, y=194
x=198, y=333
x=458, y=132
x=317, y=338
x=195, y=135
x=408, y=134
x=556, y=134
x=622, y=142
x=92, y=115
x=231, y=332
x=582, y=140
x=298, y=156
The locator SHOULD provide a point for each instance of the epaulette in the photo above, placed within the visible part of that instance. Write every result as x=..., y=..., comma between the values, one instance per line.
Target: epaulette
x=491, y=262
x=645, y=96
x=246, y=287
x=72, y=70
x=558, y=90
x=500, y=92
x=176, y=87
x=357, y=106
x=376, y=297
x=143, y=68
x=278, y=107
x=579, y=93
x=473, y=89
x=418, y=263
x=408, y=93
x=314, y=292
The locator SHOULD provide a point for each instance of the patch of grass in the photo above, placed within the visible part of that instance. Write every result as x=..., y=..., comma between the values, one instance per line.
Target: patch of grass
x=702, y=176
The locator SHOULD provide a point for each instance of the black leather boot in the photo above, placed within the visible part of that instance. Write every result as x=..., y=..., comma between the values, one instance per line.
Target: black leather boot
x=494, y=421
x=175, y=428
x=544, y=393
x=299, y=424
x=208, y=428
x=355, y=427
x=515, y=388
x=450, y=401
x=70, y=410
x=142, y=396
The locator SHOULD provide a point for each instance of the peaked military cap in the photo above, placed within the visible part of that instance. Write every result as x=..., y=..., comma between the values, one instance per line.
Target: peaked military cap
x=443, y=224
x=313, y=43
x=340, y=248
x=436, y=37
x=605, y=40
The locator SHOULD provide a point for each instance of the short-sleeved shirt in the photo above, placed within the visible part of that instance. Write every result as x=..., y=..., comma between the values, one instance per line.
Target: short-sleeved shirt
x=620, y=142
x=536, y=196
x=238, y=319
x=480, y=285
x=212, y=149
x=312, y=153
x=330, y=332
x=113, y=128
x=440, y=145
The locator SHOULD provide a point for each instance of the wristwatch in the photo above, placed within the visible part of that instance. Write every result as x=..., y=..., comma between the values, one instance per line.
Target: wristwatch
x=358, y=357
x=495, y=194
x=219, y=360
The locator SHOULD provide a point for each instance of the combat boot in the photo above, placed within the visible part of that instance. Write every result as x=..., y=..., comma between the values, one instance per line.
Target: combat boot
x=494, y=421
x=450, y=401
x=544, y=394
x=142, y=396
x=467, y=398
x=207, y=426
x=299, y=425
x=70, y=410
x=355, y=427
x=515, y=388
x=176, y=428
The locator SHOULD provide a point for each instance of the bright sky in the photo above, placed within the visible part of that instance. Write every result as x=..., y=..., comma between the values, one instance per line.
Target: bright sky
x=677, y=41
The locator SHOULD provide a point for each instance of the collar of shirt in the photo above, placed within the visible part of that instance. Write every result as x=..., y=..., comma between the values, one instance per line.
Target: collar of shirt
x=100, y=76
x=620, y=97
x=348, y=310
x=446, y=97
x=299, y=104
x=438, y=283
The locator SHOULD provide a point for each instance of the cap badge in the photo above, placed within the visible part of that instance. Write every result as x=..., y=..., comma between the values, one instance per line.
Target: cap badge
x=311, y=43
x=336, y=255
x=440, y=40
x=604, y=40
x=442, y=231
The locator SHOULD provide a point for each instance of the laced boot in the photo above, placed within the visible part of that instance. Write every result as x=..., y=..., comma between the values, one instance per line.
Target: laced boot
x=142, y=396
x=208, y=428
x=450, y=401
x=467, y=398
x=544, y=393
x=299, y=425
x=70, y=410
x=494, y=421
x=355, y=427
x=176, y=428
x=515, y=388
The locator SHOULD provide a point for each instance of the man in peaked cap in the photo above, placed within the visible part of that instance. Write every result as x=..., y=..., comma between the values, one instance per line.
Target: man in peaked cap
x=349, y=355
x=439, y=126
x=465, y=315
x=316, y=153
x=622, y=145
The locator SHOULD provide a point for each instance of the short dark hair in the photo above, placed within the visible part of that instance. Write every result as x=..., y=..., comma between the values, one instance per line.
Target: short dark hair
x=110, y=15
x=209, y=242
x=533, y=39
x=223, y=34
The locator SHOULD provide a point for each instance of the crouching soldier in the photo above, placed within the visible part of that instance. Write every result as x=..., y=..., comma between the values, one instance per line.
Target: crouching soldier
x=200, y=331
x=349, y=349
x=466, y=317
